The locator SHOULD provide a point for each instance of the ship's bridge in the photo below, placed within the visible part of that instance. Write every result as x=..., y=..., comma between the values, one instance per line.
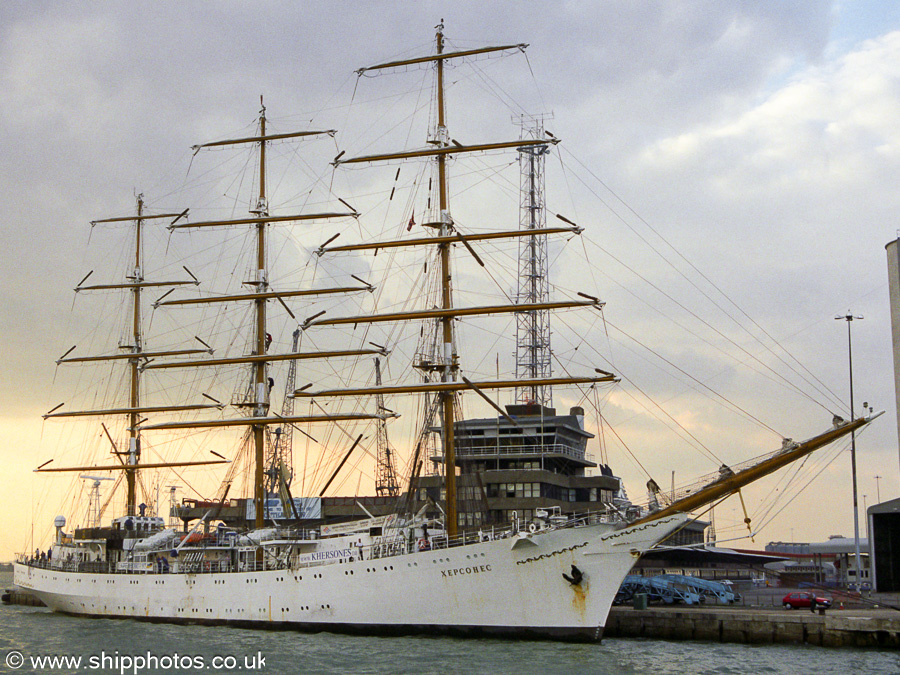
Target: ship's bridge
x=531, y=437
x=511, y=466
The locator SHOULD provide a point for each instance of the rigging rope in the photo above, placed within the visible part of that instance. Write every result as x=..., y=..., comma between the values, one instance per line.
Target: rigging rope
x=816, y=383
x=698, y=382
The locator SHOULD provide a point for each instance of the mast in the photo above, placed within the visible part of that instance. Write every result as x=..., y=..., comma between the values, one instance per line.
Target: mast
x=134, y=439
x=445, y=360
x=729, y=482
x=450, y=364
x=261, y=390
x=257, y=399
x=133, y=352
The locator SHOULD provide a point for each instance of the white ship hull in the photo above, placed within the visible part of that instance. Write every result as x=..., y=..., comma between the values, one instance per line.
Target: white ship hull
x=512, y=586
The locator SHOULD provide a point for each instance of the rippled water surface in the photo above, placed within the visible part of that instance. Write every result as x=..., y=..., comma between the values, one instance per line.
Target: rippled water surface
x=37, y=633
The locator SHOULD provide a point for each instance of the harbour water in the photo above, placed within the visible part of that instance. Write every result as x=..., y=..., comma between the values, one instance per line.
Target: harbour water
x=121, y=646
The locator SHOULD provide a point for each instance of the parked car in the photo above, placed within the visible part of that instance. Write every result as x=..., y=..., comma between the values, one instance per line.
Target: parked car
x=805, y=600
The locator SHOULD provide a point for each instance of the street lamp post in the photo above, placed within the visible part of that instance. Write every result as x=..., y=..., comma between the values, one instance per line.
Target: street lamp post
x=865, y=514
x=849, y=318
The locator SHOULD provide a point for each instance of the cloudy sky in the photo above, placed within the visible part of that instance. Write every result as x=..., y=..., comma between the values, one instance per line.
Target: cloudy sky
x=748, y=149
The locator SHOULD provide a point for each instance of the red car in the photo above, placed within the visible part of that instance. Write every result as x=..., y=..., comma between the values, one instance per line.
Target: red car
x=805, y=600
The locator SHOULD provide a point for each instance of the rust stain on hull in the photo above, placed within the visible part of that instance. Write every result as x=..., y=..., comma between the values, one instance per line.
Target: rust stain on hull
x=579, y=597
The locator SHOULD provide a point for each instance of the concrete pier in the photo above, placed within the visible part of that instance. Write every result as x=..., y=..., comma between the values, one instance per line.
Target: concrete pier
x=836, y=628
x=17, y=596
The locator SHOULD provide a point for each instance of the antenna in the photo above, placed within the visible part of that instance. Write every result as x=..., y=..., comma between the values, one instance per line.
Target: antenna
x=173, y=518
x=93, y=513
x=385, y=476
x=280, y=455
x=533, y=358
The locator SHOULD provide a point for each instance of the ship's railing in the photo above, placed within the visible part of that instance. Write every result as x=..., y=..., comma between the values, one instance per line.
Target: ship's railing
x=537, y=449
x=62, y=565
x=387, y=548
x=490, y=533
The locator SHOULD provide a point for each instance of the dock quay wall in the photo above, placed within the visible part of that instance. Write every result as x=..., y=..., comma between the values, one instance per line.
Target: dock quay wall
x=17, y=596
x=836, y=628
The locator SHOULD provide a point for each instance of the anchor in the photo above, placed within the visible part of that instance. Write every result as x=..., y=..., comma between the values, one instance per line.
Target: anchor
x=577, y=576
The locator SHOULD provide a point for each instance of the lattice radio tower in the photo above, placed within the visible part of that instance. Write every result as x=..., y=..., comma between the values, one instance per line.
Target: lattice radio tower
x=533, y=360
x=385, y=476
x=280, y=452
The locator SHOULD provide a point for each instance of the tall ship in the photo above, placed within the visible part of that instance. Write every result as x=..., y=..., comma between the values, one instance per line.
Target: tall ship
x=436, y=558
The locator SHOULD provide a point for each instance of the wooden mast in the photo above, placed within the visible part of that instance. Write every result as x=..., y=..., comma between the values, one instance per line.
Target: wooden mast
x=130, y=459
x=260, y=380
x=134, y=438
x=440, y=149
x=258, y=399
x=728, y=483
x=450, y=366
